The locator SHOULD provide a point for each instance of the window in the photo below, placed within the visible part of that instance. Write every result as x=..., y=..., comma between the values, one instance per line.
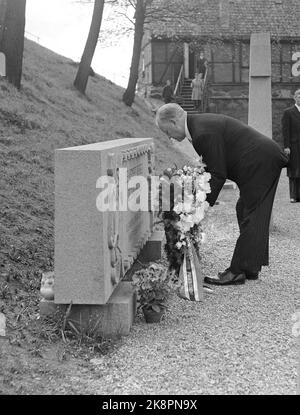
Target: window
x=167, y=58
x=222, y=65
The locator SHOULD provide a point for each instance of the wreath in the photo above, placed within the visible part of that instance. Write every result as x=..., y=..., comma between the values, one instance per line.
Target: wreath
x=189, y=187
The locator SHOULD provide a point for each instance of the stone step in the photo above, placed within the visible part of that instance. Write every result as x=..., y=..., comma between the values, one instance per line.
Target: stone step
x=189, y=110
x=188, y=106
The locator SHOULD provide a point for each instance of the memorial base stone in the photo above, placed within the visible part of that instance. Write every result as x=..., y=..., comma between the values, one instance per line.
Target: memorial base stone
x=152, y=251
x=48, y=307
x=109, y=320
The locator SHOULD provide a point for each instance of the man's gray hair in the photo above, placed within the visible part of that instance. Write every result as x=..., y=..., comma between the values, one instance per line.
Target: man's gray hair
x=297, y=91
x=168, y=112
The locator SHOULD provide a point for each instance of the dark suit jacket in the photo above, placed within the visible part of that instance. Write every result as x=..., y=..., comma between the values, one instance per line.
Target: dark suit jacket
x=233, y=150
x=291, y=138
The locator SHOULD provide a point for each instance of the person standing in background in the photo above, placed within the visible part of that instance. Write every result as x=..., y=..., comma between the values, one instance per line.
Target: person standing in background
x=197, y=90
x=291, y=139
x=167, y=93
x=202, y=65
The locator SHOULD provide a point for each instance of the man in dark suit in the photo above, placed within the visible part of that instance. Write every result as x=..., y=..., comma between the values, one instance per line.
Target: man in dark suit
x=202, y=65
x=233, y=150
x=291, y=136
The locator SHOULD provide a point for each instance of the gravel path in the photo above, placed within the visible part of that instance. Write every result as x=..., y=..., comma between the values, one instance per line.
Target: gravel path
x=237, y=342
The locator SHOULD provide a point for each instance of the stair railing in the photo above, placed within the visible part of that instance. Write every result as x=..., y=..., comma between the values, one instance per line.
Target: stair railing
x=179, y=82
x=204, y=102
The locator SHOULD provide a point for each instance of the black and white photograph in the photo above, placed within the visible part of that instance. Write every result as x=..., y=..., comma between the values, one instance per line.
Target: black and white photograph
x=149, y=200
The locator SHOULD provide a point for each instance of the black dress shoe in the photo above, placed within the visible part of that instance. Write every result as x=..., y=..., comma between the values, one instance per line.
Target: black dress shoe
x=249, y=275
x=226, y=278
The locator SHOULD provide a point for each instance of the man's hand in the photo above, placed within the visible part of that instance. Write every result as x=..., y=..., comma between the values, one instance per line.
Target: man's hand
x=287, y=151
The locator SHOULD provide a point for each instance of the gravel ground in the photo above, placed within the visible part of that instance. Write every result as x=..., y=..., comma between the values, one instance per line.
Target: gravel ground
x=237, y=342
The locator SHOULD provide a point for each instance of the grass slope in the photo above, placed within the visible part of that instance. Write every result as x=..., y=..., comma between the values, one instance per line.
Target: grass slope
x=49, y=113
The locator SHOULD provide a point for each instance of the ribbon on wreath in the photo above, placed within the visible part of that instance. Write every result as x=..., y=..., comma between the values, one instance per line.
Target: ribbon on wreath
x=190, y=275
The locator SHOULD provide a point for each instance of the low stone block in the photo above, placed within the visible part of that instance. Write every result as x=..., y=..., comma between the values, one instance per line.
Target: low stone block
x=152, y=251
x=108, y=320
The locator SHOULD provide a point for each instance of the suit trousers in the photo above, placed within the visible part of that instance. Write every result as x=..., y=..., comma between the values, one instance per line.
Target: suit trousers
x=295, y=188
x=252, y=246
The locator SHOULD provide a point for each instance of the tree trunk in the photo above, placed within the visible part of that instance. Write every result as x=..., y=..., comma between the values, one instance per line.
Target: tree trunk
x=12, y=21
x=83, y=72
x=129, y=94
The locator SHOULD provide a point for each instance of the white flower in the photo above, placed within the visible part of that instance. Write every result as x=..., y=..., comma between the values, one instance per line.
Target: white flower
x=180, y=244
x=199, y=214
x=187, y=207
x=203, y=182
x=178, y=208
x=200, y=196
x=186, y=223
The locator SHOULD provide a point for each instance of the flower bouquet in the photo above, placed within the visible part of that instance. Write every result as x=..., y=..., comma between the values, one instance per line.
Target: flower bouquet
x=153, y=286
x=182, y=223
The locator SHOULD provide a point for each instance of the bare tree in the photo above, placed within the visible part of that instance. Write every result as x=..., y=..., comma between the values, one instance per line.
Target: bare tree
x=83, y=72
x=12, y=26
x=146, y=11
x=140, y=15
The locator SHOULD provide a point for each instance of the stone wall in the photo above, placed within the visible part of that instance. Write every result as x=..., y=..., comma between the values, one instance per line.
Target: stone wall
x=232, y=100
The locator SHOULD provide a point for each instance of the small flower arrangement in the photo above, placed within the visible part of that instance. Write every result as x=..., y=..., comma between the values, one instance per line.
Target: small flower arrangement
x=153, y=285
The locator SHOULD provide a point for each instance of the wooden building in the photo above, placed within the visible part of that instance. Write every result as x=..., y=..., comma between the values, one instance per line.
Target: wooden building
x=222, y=29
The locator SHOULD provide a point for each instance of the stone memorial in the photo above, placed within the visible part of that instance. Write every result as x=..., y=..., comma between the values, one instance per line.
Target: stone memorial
x=102, y=223
x=260, y=89
x=2, y=64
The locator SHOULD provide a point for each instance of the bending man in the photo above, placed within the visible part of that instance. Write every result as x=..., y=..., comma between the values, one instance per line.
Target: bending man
x=233, y=150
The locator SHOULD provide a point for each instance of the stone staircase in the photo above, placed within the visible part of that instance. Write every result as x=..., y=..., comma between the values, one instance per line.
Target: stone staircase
x=184, y=98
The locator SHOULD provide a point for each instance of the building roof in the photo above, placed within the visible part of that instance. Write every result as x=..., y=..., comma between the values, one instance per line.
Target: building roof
x=229, y=18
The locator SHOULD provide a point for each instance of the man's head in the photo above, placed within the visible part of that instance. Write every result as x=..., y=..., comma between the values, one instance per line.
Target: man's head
x=170, y=118
x=168, y=82
x=201, y=55
x=297, y=97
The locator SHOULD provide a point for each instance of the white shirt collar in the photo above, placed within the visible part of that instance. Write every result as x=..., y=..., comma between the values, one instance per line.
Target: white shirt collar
x=187, y=133
x=297, y=106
